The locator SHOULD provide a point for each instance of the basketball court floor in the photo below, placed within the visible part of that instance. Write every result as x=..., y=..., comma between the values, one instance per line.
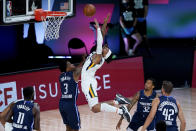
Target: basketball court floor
x=51, y=120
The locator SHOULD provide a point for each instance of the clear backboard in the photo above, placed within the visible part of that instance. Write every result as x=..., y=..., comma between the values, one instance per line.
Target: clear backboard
x=22, y=11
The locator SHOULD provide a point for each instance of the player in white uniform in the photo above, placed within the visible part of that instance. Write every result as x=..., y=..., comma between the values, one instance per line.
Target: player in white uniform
x=89, y=83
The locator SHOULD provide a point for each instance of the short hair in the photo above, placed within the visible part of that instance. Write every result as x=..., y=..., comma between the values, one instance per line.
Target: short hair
x=161, y=126
x=153, y=81
x=63, y=66
x=167, y=86
x=28, y=92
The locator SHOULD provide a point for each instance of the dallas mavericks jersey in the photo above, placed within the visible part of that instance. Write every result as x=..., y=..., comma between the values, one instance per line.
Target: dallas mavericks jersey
x=23, y=118
x=69, y=88
x=167, y=111
x=145, y=103
x=89, y=68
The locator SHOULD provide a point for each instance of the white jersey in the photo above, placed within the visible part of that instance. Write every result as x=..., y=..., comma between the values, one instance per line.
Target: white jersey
x=89, y=68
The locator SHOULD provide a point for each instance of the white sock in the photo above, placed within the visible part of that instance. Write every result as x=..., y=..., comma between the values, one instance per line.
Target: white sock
x=108, y=108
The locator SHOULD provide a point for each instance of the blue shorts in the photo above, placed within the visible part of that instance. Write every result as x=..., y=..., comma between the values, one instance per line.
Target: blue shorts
x=138, y=120
x=129, y=32
x=70, y=115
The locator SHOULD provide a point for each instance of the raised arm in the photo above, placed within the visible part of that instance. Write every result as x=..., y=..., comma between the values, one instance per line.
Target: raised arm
x=104, y=26
x=36, y=112
x=98, y=56
x=133, y=101
x=78, y=69
x=153, y=111
x=181, y=118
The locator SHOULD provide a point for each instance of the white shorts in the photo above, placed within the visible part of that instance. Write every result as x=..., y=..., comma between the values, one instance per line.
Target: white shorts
x=89, y=88
x=8, y=126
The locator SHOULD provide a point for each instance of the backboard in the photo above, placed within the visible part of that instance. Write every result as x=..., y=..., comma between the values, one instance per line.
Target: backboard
x=22, y=11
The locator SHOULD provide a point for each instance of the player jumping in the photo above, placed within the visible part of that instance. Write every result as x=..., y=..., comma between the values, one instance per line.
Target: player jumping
x=167, y=109
x=89, y=83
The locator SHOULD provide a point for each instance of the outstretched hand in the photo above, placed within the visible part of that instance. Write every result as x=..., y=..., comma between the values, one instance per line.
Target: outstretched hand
x=106, y=19
x=103, y=28
x=96, y=23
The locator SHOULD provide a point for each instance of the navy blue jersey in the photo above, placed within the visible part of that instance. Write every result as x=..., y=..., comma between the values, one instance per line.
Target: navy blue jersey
x=69, y=88
x=67, y=104
x=145, y=103
x=143, y=109
x=167, y=111
x=23, y=118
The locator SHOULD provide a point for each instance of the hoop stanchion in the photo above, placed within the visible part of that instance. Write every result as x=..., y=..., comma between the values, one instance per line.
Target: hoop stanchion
x=52, y=21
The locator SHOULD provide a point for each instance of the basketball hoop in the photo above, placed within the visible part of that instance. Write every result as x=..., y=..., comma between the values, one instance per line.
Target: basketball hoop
x=52, y=21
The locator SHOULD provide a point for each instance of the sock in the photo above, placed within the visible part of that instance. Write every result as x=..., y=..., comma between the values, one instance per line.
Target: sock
x=108, y=108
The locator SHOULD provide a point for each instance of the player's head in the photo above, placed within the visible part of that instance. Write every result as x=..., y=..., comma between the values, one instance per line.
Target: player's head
x=66, y=66
x=167, y=87
x=107, y=53
x=28, y=93
x=161, y=126
x=150, y=84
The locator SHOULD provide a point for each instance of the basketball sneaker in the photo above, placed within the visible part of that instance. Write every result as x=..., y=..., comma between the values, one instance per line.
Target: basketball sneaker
x=126, y=113
x=121, y=99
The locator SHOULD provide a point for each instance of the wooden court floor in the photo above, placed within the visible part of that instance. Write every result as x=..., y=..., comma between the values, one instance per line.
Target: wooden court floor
x=51, y=120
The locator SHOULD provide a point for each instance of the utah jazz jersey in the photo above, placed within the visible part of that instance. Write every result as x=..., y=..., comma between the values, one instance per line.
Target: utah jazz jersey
x=168, y=111
x=23, y=118
x=69, y=88
x=89, y=68
x=145, y=103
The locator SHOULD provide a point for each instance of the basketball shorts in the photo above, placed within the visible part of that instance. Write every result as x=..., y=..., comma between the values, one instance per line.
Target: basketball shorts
x=137, y=121
x=70, y=114
x=128, y=32
x=89, y=88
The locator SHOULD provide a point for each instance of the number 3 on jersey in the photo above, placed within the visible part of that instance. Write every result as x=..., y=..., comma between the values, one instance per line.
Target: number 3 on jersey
x=66, y=88
x=168, y=113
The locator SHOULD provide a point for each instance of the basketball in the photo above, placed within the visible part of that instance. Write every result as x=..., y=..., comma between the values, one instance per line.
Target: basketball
x=89, y=10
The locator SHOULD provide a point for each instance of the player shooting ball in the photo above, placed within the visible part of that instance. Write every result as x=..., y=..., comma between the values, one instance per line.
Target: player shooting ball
x=88, y=81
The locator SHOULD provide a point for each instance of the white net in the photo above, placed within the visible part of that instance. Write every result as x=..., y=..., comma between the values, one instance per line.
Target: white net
x=52, y=25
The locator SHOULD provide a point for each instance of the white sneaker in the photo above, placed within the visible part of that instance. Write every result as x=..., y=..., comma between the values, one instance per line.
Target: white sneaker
x=130, y=53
